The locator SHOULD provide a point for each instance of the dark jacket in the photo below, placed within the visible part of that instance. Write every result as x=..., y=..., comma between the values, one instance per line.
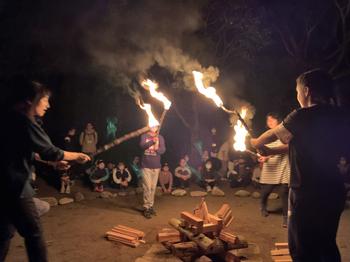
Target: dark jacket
x=20, y=139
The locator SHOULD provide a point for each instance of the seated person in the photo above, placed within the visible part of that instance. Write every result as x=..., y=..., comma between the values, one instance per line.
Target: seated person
x=166, y=179
x=121, y=176
x=183, y=174
x=98, y=174
x=210, y=176
x=242, y=174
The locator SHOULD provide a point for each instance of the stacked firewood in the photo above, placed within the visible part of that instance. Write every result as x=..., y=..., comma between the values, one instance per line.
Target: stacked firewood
x=126, y=235
x=281, y=253
x=201, y=233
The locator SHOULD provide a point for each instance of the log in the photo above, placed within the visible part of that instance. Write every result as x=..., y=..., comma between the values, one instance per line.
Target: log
x=193, y=220
x=138, y=232
x=280, y=252
x=208, y=228
x=228, y=237
x=225, y=208
x=201, y=240
x=126, y=237
x=125, y=232
x=169, y=236
x=120, y=140
x=282, y=259
x=129, y=243
x=216, y=220
x=281, y=245
x=185, y=250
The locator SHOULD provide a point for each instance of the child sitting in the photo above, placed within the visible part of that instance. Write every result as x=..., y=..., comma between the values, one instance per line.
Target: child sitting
x=121, y=176
x=166, y=179
x=183, y=173
x=210, y=176
x=97, y=175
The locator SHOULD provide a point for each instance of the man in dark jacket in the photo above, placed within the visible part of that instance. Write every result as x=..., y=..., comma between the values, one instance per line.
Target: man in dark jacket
x=153, y=145
x=21, y=137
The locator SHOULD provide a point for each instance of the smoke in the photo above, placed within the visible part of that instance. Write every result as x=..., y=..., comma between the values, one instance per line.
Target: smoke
x=136, y=35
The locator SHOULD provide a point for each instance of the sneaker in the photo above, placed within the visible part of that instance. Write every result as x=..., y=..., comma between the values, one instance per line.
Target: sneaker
x=68, y=189
x=152, y=211
x=264, y=213
x=147, y=213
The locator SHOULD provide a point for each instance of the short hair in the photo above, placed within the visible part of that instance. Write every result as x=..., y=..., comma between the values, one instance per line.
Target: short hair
x=274, y=115
x=319, y=82
x=23, y=89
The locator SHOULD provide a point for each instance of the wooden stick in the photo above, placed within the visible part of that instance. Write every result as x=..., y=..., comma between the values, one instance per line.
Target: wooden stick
x=161, y=120
x=120, y=140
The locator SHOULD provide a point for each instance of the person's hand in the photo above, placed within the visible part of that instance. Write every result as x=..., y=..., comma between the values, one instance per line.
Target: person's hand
x=37, y=157
x=262, y=159
x=82, y=158
x=61, y=165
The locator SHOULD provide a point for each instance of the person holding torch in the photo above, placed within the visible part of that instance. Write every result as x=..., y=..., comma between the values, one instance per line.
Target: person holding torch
x=154, y=146
x=21, y=137
x=317, y=137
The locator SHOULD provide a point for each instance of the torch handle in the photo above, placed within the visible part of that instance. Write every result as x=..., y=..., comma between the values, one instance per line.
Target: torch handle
x=121, y=139
x=161, y=120
x=239, y=117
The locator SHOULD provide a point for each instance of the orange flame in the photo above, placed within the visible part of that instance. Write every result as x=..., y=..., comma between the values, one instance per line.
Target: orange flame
x=209, y=92
x=240, y=133
x=152, y=121
x=152, y=86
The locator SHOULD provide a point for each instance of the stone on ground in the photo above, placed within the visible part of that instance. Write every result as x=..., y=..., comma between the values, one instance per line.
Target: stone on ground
x=65, y=200
x=242, y=193
x=217, y=192
x=179, y=192
x=51, y=200
x=107, y=194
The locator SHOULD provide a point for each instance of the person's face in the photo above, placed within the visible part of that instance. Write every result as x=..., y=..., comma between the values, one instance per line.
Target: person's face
x=89, y=126
x=182, y=163
x=271, y=122
x=110, y=166
x=136, y=160
x=101, y=165
x=302, y=95
x=121, y=166
x=42, y=106
x=213, y=130
x=208, y=165
x=71, y=132
x=166, y=168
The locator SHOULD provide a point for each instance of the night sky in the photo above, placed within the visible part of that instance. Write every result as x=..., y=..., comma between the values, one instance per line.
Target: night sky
x=92, y=54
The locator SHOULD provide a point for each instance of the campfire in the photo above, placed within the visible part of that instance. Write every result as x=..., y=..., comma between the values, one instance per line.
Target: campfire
x=201, y=233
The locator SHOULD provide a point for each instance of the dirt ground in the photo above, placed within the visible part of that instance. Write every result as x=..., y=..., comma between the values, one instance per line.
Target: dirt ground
x=75, y=232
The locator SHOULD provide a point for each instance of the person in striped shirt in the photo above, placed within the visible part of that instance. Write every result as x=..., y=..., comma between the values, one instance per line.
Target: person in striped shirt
x=275, y=172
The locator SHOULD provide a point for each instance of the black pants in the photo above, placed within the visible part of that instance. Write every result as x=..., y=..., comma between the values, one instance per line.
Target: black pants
x=184, y=183
x=22, y=215
x=313, y=226
x=266, y=190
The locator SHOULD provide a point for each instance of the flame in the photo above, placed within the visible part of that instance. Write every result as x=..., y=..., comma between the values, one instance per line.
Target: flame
x=152, y=121
x=209, y=92
x=240, y=133
x=152, y=86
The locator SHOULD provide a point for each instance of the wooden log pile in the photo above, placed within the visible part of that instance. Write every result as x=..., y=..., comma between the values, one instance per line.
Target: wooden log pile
x=281, y=253
x=126, y=235
x=201, y=233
